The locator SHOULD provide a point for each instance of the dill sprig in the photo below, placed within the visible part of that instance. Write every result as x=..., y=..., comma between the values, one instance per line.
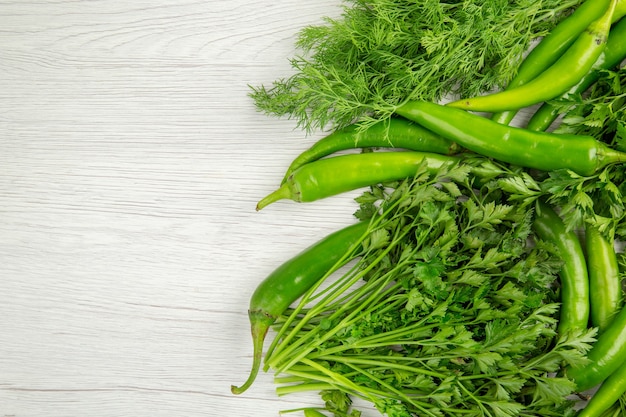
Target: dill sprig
x=381, y=53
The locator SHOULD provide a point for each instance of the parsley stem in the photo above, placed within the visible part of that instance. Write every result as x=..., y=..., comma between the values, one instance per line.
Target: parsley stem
x=333, y=291
x=286, y=325
x=478, y=402
x=327, y=379
x=407, y=335
x=385, y=362
x=287, y=350
x=338, y=379
x=400, y=395
x=376, y=294
x=304, y=387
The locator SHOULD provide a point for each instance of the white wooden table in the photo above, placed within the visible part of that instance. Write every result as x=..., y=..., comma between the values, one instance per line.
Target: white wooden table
x=131, y=160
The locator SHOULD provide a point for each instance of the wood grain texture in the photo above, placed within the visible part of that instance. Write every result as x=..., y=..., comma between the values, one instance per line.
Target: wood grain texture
x=131, y=160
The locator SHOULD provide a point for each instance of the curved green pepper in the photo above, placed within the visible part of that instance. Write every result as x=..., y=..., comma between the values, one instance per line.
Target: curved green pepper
x=291, y=280
x=552, y=46
x=396, y=133
x=549, y=227
x=609, y=392
x=614, y=53
x=606, y=356
x=339, y=174
x=566, y=72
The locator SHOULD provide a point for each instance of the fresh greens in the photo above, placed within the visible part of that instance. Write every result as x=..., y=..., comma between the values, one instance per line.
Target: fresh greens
x=597, y=199
x=381, y=53
x=452, y=311
x=451, y=308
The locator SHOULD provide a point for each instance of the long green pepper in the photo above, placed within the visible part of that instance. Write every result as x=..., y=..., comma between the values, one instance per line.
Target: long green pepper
x=573, y=276
x=395, y=133
x=606, y=302
x=551, y=47
x=609, y=392
x=565, y=73
x=291, y=280
x=583, y=155
x=606, y=356
x=332, y=176
x=605, y=287
x=614, y=53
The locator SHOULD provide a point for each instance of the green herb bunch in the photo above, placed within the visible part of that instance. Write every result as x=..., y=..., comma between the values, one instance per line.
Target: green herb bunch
x=599, y=199
x=381, y=53
x=451, y=311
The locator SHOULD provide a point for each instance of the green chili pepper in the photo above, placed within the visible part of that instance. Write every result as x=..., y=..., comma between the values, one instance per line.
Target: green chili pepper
x=549, y=227
x=552, y=46
x=606, y=355
x=336, y=175
x=396, y=133
x=545, y=151
x=614, y=53
x=605, y=287
x=566, y=72
x=292, y=279
x=607, y=394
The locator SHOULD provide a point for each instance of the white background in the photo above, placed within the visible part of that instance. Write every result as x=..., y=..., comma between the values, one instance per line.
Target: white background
x=131, y=161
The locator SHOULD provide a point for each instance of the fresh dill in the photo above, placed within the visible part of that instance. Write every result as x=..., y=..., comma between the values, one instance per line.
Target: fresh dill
x=381, y=53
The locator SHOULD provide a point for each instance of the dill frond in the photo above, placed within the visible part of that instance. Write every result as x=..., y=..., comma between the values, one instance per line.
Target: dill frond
x=381, y=53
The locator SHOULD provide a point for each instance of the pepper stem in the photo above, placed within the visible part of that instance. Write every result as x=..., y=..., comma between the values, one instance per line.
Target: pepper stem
x=609, y=156
x=259, y=325
x=280, y=194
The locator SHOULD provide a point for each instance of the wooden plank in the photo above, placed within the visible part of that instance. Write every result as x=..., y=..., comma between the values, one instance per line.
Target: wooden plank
x=131, y=161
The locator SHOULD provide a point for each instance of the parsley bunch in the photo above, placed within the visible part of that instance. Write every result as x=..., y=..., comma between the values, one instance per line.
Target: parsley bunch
x=451, y=311
x=381, y=53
